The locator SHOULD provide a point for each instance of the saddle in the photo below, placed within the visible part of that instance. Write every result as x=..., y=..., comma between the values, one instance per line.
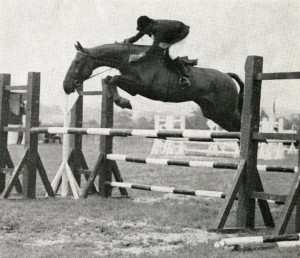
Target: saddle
x=187, y=61
x=170, y=63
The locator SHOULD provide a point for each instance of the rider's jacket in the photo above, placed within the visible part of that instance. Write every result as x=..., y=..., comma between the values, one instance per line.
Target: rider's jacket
x=164, y=31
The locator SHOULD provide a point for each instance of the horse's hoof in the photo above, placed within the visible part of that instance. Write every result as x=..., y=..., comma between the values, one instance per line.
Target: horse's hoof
x=123, y=103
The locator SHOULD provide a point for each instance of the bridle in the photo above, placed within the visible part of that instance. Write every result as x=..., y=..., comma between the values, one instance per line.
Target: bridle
x=78, y=83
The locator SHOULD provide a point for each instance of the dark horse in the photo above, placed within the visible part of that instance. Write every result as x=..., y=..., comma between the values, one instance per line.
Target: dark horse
x=215, y=92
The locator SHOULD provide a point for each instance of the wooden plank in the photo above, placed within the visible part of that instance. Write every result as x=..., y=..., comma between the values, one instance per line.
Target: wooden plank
x=106, y=142
x=14, y=129
x=44, y=177
x=90, y=93
x=85, y=171
x=297, y=217
x=250, y=124
x=15, y=176
x=10, y=165
x=263, y=204
x=77, y=116
x=118, y=177
x=292, y=200
x=278, y=76
x=231, y=196
x=31, y=140
x=17, y=87
x=263, y=137
x=85, y=167
x=288, y=208
x=7, y=170
x=97, y=167
x=4, y=116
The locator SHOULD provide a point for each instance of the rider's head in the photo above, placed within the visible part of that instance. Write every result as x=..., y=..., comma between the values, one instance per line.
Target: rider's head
x=144, y=24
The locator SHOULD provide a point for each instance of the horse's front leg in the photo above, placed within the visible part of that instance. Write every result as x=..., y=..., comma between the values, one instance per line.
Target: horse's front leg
x=128, y=83
x=112, y=91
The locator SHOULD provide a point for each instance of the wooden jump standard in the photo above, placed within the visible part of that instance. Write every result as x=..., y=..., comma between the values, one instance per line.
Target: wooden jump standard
x=31, y=160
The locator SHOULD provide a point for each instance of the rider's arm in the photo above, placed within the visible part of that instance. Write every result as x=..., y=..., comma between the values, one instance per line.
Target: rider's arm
x=134, y=38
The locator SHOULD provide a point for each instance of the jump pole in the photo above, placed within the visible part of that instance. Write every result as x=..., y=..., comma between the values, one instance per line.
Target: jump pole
x=256, y=240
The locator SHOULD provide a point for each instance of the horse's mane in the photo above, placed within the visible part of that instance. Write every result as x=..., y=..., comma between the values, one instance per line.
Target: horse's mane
x=131, y=45
x=124, y=47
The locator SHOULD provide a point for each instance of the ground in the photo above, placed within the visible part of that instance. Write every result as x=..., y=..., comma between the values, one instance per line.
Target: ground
x=147, y=224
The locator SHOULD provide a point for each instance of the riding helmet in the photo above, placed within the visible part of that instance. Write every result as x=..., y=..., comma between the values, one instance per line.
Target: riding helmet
x=143, y=22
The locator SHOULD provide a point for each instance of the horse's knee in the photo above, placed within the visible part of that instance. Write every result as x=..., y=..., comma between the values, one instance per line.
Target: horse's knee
x=115, y=79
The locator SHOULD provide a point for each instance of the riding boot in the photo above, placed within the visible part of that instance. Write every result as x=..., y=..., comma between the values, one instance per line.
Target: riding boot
x=184, y=81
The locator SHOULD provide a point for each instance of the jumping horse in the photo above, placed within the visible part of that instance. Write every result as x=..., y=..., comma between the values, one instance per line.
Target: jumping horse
x=215, y=92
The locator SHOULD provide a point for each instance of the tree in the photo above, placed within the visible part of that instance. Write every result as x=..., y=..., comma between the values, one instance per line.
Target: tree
x=123, y=119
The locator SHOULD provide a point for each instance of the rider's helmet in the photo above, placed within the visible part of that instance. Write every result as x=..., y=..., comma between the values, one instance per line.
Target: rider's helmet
x=143, y=22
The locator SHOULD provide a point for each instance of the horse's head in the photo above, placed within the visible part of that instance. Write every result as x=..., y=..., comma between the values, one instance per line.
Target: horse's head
x=81, y=69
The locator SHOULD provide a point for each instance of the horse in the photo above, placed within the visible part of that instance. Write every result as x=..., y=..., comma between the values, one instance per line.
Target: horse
x=215, y=92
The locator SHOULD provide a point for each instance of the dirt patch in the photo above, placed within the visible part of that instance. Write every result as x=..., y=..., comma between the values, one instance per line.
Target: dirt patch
x=125, y=237
x=178, y=198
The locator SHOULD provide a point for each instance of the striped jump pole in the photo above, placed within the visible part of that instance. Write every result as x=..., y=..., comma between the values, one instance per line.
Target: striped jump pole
x=195, y=163
x=188, y=134
x=167, y=189
x=256, y=240
x=164, y=189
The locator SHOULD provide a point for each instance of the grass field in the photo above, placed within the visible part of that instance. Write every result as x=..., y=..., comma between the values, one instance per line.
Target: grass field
x=146, y=225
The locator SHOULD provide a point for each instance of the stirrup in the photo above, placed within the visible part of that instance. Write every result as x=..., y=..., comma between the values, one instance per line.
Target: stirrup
x=184, y=82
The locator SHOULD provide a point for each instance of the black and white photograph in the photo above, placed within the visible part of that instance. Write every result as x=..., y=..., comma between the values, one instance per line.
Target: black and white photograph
x=149, y=128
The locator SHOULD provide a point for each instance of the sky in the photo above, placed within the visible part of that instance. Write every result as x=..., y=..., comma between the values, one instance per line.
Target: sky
x=39, y=35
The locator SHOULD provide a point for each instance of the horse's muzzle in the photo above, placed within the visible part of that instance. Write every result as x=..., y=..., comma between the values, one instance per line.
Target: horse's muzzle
x=68, y=90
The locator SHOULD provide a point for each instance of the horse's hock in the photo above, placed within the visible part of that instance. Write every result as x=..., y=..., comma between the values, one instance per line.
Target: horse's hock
x=246, y=186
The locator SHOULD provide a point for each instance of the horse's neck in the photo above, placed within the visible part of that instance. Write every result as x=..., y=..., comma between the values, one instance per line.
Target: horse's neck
x=114, y=55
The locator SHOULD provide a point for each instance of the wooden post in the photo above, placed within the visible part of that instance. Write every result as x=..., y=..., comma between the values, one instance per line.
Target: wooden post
x=250, y=124
x=77, y=118
x=31, y=140
x=4, y=115
x=106, y=142
x=297, y=218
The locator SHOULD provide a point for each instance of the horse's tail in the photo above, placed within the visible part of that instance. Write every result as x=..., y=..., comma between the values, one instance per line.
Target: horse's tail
x=241, y=93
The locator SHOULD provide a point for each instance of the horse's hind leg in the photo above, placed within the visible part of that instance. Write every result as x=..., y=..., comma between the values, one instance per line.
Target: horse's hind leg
x=230, y=121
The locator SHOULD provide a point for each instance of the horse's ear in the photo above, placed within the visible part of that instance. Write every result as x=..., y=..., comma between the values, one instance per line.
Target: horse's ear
x=79, y=47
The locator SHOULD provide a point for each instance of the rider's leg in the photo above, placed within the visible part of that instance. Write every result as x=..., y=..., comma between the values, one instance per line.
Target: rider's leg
x=184, y=81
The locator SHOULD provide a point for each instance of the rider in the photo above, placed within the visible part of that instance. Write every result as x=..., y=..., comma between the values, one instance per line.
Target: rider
x=165, y=34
